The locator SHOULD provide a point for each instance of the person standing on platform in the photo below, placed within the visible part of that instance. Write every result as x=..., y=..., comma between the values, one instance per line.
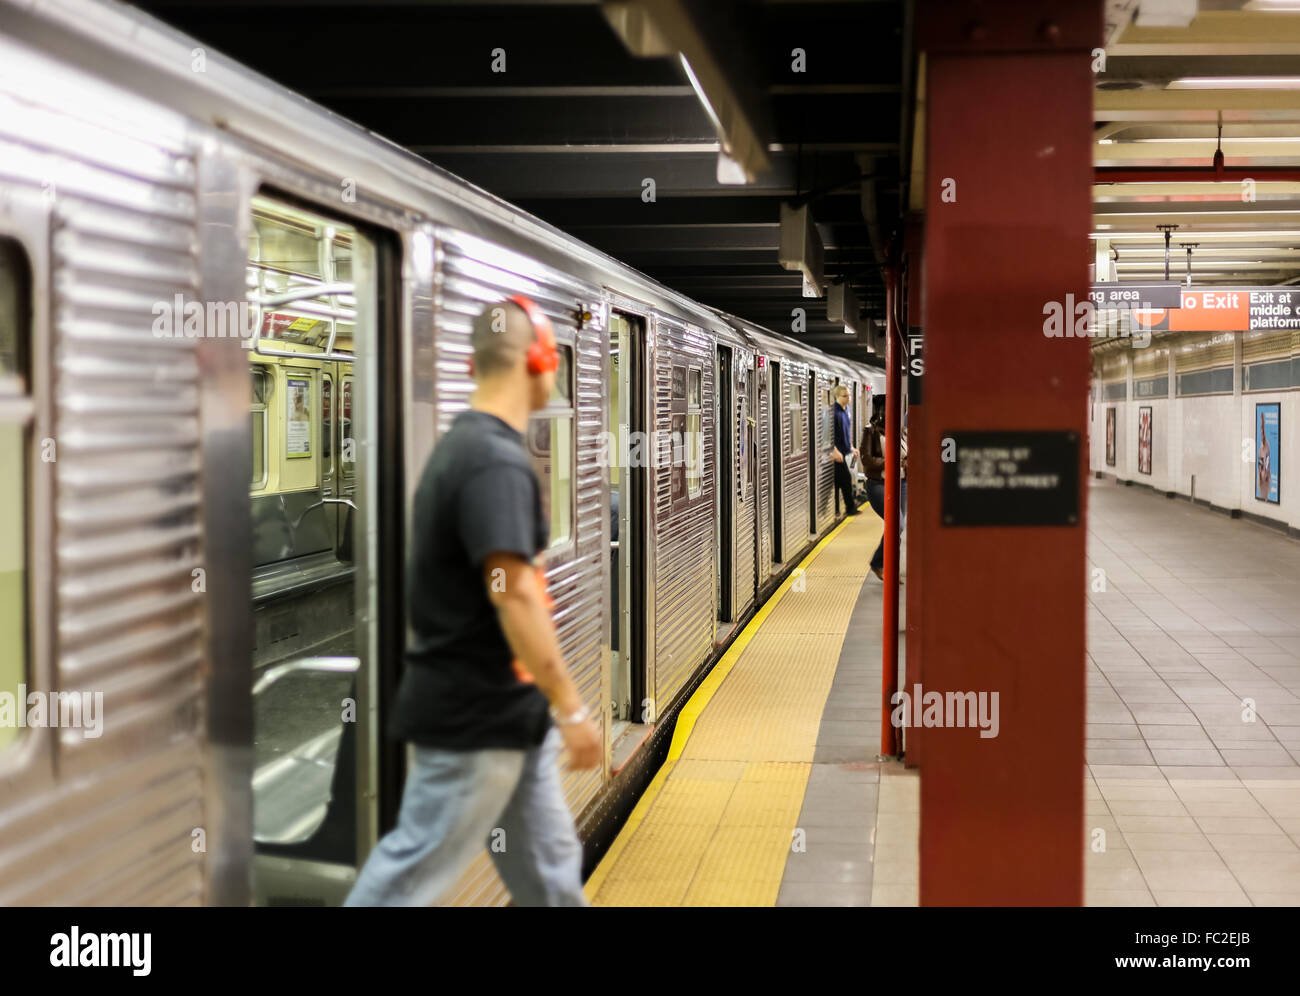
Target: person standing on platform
x=873, y=444
x=484, y=677
x=842, y=449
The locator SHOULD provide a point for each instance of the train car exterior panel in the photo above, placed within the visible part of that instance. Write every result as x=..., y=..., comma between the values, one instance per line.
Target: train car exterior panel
x=685, y=610
x=796, y=446
x=115, y=179
x=742, y=483
x=825, y=440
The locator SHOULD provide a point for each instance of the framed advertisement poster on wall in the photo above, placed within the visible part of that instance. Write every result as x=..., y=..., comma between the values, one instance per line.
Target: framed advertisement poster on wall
x=1144, y=440
x=298, y=409
x=1110, y=437
x=1268, y=452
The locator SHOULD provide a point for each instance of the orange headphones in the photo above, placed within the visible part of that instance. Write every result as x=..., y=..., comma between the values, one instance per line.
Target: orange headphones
x=542, y=356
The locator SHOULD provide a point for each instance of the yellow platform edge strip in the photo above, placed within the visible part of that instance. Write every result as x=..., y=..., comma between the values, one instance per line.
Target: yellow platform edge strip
x=691, y=711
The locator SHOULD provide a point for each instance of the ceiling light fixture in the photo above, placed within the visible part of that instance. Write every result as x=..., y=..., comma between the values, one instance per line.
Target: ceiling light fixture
x=1236, y=82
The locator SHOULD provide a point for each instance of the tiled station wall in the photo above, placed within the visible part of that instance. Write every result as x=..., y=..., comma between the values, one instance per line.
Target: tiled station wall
x=1199, y=389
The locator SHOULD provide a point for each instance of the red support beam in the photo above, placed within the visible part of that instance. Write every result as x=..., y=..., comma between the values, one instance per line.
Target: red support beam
x=1009, y=184
x=889, y=737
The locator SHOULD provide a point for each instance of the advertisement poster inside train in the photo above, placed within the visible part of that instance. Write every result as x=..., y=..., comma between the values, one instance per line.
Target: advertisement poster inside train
x=297, y=429
x=1268, y=452
x=1110, y=437
x=1144, y=440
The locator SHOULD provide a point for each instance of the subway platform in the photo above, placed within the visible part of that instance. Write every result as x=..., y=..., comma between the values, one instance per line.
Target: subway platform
x=773, y=794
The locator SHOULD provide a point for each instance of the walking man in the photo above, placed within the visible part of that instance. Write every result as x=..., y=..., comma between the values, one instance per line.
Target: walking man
x=484, y=678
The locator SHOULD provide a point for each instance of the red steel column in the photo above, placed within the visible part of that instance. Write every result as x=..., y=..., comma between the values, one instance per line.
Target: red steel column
x=1008, y=175
x=889, y=739
x=914, y=746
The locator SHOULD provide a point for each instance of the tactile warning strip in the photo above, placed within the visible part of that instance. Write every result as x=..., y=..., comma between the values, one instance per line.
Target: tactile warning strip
x=715, y=826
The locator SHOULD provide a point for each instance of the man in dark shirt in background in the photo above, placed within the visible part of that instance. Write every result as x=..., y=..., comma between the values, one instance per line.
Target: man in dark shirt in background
x=842, y=448
x=483, y=660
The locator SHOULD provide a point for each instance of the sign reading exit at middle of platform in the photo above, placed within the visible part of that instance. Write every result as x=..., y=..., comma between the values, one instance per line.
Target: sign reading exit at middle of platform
x=1226, y=309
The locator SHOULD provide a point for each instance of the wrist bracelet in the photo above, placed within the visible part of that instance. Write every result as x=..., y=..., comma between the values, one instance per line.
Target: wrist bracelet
x=571, y=719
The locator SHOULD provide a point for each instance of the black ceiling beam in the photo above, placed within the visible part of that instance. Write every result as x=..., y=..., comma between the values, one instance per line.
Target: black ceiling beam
x=843, y=43
x=526, y=177
x=448, y=120
x=761, y=207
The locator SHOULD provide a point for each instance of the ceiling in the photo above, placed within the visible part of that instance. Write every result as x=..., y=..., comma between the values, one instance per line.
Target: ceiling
x=576, y=123
x=1160, y=100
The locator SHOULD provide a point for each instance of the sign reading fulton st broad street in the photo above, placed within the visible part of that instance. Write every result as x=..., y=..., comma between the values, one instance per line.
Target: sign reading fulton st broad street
x=1028, y=478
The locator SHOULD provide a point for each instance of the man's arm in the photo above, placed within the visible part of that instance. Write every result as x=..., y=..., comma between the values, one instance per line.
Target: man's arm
x=516, y=594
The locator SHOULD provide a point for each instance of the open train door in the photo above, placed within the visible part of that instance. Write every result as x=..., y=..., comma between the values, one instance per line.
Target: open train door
x=325, y=604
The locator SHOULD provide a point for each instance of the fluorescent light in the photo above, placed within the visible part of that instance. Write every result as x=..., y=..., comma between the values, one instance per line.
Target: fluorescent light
x=1203, y=264
x=1235, y=82
x=1209, y=139
x=699, y=92
x=1188, y=234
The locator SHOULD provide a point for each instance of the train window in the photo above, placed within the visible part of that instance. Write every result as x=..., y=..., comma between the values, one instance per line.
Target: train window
x=694, y=437
x=550, y=441
x=794, y=405
x=563, y=390
x=261, y=393
x=16, y=414
x=327, y=425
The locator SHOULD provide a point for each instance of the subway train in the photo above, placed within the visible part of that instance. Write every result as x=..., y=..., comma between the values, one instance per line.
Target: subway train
x=232, y=329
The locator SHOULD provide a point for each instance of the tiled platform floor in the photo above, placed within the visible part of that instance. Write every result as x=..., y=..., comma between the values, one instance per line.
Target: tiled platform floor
x=1193, y=751
x=1193, y=705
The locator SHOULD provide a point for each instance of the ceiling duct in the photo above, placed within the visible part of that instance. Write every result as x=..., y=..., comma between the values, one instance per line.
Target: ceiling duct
x=842, y=306
x=801, y=248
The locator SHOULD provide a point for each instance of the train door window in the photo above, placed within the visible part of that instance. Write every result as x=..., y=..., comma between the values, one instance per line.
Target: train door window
x=694, y=436
x=550, y=443
x=348, y=455
x=17, y=413
x=794, y=403
x=262, y=382
x=742, y=420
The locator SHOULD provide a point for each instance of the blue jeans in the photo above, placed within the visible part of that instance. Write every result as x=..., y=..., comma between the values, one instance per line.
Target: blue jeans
x=457, y=802
x=876, y=498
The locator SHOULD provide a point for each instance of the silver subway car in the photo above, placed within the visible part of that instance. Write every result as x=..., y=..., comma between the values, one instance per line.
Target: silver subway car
x=232, y=329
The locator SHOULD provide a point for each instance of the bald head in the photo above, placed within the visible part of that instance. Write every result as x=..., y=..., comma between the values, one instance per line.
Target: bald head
x=500, y=337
